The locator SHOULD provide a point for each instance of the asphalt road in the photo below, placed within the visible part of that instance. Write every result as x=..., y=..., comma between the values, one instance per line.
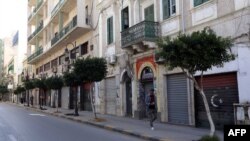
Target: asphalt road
x=19, y=124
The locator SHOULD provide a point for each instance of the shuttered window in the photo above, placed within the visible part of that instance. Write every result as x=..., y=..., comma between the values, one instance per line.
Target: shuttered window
x=125, y=18
x=169, y=8
x=149, y=13
x=199, y=2
x=110, y=30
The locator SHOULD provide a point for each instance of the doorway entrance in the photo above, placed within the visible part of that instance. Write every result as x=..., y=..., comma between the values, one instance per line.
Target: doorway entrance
x=128, y=94
x=147, y=83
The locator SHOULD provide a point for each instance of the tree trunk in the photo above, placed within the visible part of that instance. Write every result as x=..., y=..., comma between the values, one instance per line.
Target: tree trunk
x=210, y=119
x=56, y=100
x=92, y=102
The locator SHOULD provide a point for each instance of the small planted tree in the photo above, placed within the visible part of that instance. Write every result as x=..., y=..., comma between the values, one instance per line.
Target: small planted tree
x=72, y=80
x=196, y=52
x=19, y=89
x=28, y=85
x=91, y=70
x=40, y=84
x=54, y=83
x=3, y=91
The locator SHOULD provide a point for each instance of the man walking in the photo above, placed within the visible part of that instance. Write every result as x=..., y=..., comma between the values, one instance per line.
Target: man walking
x=151, y=105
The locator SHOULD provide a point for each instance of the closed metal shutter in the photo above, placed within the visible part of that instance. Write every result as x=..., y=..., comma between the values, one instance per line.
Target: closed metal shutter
x=110, y=91
x=65, y=97
x=221, y=91
x=177, y=99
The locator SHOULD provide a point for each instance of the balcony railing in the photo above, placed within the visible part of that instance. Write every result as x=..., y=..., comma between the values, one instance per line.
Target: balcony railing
x=64, y=31
x=58, y=5
x=35, y=9
x=143, y=31
x=39, y=28
x=34, y=55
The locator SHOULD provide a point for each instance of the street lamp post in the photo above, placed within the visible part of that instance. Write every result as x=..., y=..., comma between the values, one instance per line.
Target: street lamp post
x=42, y=96
x=69, y=67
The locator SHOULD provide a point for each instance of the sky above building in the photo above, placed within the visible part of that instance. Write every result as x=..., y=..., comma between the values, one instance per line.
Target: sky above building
x=12, y=13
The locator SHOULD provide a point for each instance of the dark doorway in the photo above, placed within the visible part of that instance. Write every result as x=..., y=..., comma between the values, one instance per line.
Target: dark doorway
x=147, y=83
x=85, y=97
x=127, y=81
x=71, y=97
x=59, y=94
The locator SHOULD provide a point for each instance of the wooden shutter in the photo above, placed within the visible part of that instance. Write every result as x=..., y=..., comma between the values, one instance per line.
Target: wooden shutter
x=149, y=13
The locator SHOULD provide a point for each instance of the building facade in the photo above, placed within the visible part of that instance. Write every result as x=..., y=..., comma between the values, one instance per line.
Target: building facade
x=128, y=31
x=125, y=32
x=53, y=27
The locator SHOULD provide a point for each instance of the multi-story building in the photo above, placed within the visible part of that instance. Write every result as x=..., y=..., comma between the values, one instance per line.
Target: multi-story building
x=128, y=30
x=125, y=33
x=53, y=27
x=1, y=57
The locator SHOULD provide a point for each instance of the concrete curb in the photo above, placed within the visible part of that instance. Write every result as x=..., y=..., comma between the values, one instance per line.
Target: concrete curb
x=107, y=127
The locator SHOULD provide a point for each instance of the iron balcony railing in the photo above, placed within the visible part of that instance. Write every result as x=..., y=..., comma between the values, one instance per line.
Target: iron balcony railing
x=58, y=5
x=35, y=54
x=35, y=9
x=143, y=31
x=39, y=28
x=64, y=31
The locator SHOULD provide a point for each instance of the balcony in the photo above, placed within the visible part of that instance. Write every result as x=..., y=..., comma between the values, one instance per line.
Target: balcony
x=57, y=7
x=145, y=31
x=34, y=55
x=64, y=31
x=35, y=9
x=38, y=29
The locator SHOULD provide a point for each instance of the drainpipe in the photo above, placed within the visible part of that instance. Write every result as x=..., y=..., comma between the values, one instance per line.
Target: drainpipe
x=182, y=17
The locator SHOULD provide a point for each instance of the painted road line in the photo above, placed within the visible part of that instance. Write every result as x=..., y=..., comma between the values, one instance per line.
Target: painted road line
x=37, y=115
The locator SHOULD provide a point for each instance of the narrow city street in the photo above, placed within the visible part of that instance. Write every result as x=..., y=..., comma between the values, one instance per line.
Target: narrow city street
x=18, y=124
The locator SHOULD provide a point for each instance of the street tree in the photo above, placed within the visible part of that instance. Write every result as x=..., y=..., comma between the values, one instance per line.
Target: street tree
x=91, y=70
x=3, y=91
x=28, y=85
x=40, y=84
x=54, y=83
x=72, y=80
x=196, y=53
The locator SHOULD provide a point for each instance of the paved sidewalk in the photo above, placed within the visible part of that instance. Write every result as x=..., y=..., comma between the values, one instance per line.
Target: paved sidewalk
x=134, y=127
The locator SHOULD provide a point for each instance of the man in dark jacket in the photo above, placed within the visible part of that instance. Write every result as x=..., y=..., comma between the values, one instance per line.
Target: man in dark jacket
x=151, y=104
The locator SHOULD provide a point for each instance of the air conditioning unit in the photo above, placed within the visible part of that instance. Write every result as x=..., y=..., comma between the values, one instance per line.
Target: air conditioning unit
x=112, y=59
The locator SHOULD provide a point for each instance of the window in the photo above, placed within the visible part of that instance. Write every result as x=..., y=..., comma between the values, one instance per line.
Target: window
x=74, y=53
x=110, y=30
x=61, y=59
x=149, y=13
x=87, y=14
x=41, y=69
x=125, y=18
x=54, y=63
x=199, y=2
x=84, y=48
x=169, y=8
x=47, y=66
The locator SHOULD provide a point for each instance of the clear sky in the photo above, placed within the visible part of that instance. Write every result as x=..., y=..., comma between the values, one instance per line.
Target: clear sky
x=11, y=13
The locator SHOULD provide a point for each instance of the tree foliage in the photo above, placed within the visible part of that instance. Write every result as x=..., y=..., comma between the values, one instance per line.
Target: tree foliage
x=54, y=82
x=91, y=69
x=29, y=84
x=19, y=89
x=71, y=79
x=198, y=51
x=3, y=89
x=40, y=83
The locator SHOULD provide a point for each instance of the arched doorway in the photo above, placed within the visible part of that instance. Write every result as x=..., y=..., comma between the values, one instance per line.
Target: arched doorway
x=146, y=83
